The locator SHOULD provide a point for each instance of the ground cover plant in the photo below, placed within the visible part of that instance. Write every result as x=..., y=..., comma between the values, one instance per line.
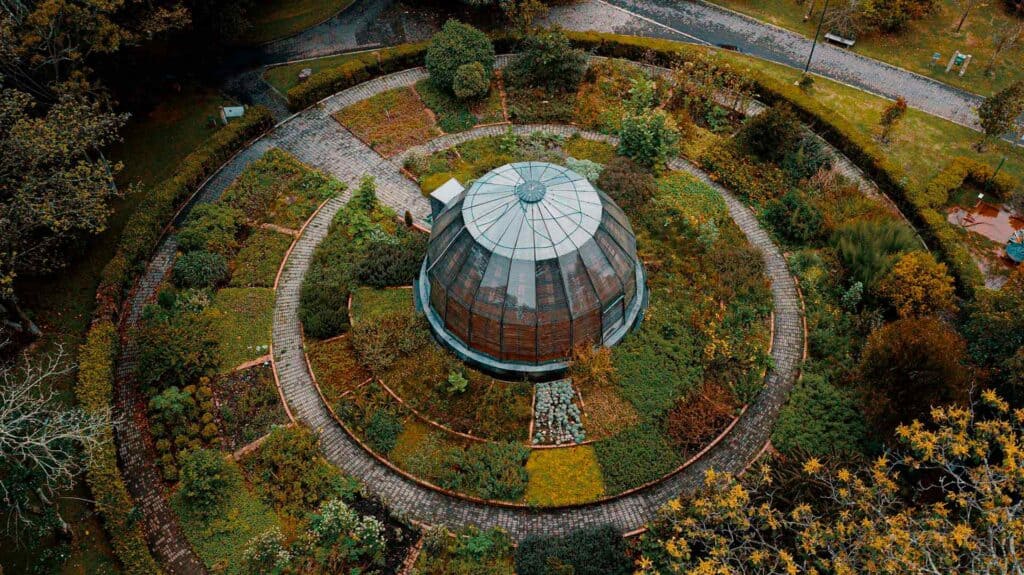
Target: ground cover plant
x=240, y=320
x=454, y=114
x=218, y=526
x=249, y=405
x=278, y=189
x=391, y=121
x=467, y=551
x=563, y=476
x=258, y=259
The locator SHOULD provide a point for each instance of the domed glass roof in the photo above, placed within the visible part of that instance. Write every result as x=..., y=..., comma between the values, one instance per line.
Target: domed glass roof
x=528, y=262
x=532, y=210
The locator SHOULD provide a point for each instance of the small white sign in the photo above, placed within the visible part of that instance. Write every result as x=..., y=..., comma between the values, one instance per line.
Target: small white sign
x=233, y=111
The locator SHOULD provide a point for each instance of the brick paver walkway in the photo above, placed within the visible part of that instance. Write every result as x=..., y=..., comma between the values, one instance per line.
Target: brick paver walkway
x=319, y=141
x=626, y=513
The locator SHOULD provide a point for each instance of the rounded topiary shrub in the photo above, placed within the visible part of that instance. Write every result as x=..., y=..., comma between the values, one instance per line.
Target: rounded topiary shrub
x=455, y=45
x=206, y=480
x=210, y=227
x=200, y=269
x=471, y=82
x=547, y=60
x=630, y=185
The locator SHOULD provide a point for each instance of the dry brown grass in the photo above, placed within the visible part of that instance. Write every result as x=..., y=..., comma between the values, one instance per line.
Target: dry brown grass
x=391, y=121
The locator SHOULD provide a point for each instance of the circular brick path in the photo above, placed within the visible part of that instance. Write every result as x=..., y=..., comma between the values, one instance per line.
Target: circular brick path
x=320, y=142
x=627, y=513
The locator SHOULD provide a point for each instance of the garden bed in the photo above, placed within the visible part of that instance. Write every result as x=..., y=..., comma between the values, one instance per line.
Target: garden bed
x=391, y=121
x=249, y=405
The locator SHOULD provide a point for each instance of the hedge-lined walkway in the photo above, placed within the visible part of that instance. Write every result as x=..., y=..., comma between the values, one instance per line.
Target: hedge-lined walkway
x=626, y=513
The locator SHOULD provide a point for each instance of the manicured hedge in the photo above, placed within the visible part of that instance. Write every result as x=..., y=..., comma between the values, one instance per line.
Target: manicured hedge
x=961, y=169
x=862, y=150
x=356, y=71
x=146, y=224
x=95, y=392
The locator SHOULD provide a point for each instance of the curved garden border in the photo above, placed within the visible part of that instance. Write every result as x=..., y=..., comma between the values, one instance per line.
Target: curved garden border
x=733, y=451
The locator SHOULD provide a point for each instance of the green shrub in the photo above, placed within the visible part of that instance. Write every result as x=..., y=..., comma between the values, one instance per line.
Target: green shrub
x=488, y=470
x=772, y=134
x=648, y=137
x=631, y=186
x=869, y=248
x=588, y=551
x=453, y=115
x=292, y=474
x=147, y=222
x=820, y=419
x=323, y=300
x=795, y=219
x=211, y=228
x=206, y=481
x=383, y=431
x=200, y=269
x=94, y=391
x=360, y=69
x=175, y=348
x=805, y=159
x=471, y=81
x=547, y=60
x=455, y=45
x=960, y=170
x=634, y=457
x=389, y=261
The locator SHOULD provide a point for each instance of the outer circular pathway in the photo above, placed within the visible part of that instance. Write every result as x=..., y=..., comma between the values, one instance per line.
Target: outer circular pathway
x=627, y=513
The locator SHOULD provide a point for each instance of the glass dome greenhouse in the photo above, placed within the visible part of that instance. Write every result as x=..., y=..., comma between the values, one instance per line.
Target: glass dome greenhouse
x=527, y=263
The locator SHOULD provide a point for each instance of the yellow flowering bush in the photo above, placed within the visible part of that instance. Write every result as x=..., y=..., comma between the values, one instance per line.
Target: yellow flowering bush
x=948, y=500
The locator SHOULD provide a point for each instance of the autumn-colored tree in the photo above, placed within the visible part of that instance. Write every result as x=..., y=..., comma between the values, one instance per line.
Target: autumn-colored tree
x=891, y=116
x=45, y=42
x=918, y=285
x=591, y=366
x=966, y=519
x=55, y=184
x=910, y=366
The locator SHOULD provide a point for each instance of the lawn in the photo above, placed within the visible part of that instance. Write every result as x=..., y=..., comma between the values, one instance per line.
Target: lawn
x=369, y=304
x=286, y=76
x=220, y=538
x=563, y=476
x=391, y=121
x=258, y=259
x=922, y=144
x=241, y=322
x=913, y=48
x=274, y=19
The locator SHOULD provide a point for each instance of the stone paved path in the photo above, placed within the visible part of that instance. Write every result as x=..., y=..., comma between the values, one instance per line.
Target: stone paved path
x=627, y=513
x=717, y=26
x=695, y=21
x=319, y=141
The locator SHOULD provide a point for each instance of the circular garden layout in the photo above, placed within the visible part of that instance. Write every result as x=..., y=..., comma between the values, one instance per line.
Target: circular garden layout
x=293, y=277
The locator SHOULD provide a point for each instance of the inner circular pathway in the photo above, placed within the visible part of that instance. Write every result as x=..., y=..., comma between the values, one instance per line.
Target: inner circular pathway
x=627, y=513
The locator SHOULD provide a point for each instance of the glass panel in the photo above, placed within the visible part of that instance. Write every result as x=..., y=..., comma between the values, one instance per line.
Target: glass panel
x=578, y=288
x=602, y=275
x=622, y=264
x=554, y=338
x=520, y=320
